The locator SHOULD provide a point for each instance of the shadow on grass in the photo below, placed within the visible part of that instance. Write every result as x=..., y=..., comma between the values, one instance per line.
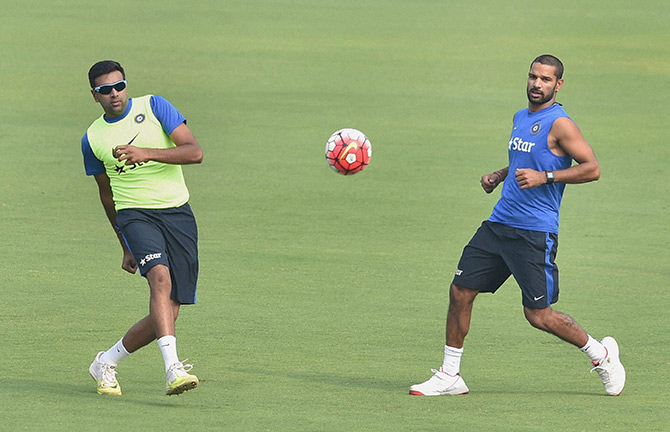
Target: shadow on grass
x=85, y=393
x=331, y=379
x=394, y=386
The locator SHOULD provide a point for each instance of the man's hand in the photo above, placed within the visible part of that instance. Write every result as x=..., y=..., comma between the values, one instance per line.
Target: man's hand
x=529, y=178
x=131, y=154
x=129, y=263
x=491, y=181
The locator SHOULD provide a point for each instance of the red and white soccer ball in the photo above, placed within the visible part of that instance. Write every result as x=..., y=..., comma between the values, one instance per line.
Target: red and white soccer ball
x=348, y=151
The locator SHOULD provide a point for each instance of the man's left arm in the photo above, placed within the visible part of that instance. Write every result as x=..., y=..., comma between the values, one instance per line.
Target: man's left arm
x=566, y=138
x=187, y=150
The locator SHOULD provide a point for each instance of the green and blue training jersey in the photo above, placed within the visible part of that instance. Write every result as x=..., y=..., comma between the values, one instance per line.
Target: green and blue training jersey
x=147, y=122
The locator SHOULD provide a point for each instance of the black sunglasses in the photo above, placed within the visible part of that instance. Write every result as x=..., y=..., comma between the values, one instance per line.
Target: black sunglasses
x=107, y=88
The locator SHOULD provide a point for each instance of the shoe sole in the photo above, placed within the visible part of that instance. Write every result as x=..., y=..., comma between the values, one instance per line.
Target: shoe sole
x=187, y=385
x=114, y=393
x=418, y=393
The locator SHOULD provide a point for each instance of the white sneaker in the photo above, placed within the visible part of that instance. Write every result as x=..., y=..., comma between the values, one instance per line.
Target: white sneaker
x=105, y=375
x=440, y=384
x=610, y=369
x=178, y=380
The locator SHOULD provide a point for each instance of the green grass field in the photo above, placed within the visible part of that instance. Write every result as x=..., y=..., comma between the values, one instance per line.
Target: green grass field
x=322, y=298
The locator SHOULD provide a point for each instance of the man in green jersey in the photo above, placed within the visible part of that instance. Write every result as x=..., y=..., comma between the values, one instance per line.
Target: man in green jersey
x=135, y=151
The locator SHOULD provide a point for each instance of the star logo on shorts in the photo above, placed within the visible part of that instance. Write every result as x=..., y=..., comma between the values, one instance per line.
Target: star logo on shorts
x=150, y=257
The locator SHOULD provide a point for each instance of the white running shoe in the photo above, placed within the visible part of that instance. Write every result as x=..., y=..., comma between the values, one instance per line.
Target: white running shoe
x=178, y=380
x=105, y=375
x=610, y=369
x=440, y=384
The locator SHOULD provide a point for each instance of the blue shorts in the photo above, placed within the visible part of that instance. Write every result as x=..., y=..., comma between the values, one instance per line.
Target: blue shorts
x=497, y=251
x=168, y=237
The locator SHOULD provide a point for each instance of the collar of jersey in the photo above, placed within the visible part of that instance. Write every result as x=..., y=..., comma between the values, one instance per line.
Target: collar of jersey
x=543, y=110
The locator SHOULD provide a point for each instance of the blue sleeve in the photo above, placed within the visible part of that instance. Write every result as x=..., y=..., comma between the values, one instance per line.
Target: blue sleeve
x=166, y=113
x=92, y=164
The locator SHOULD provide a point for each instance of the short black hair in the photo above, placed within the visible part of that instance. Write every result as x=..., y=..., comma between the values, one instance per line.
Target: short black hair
x=550, y=60
x=103, y=68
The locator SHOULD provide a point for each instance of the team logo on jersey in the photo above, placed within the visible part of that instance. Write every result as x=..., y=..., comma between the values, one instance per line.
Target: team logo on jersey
x=535, y=129
x=139, y=118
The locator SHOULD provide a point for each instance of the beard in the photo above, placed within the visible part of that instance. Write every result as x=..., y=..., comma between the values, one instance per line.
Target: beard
x=544, y=97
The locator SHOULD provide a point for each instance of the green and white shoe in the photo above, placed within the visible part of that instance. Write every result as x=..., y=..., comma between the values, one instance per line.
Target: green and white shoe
x=178, y=379
x=105, y=375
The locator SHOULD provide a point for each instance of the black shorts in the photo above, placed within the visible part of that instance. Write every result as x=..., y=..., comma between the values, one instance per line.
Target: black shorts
x=497, y=251
x=168, y=237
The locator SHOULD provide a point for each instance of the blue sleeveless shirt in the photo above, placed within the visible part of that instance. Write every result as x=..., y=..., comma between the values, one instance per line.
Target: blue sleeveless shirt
x=534, y=209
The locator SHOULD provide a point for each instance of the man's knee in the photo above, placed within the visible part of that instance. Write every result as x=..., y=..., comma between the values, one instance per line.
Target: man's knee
x=537, y=317
x=159, y=278
x=461, y=295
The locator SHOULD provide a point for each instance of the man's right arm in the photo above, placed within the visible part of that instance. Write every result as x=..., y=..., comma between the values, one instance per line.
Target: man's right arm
x=491, y=181
x=107, y=200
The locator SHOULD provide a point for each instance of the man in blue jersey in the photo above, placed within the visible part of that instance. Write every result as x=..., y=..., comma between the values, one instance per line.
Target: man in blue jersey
x=521, y=236
x=135, y=150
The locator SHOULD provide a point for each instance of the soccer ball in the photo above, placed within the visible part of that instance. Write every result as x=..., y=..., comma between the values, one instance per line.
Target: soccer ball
x=348, y=151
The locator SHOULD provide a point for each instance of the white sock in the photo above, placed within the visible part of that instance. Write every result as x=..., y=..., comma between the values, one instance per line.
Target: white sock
x=115, y=354
x=594, y=349
x=168, y=346
x=452, y=360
